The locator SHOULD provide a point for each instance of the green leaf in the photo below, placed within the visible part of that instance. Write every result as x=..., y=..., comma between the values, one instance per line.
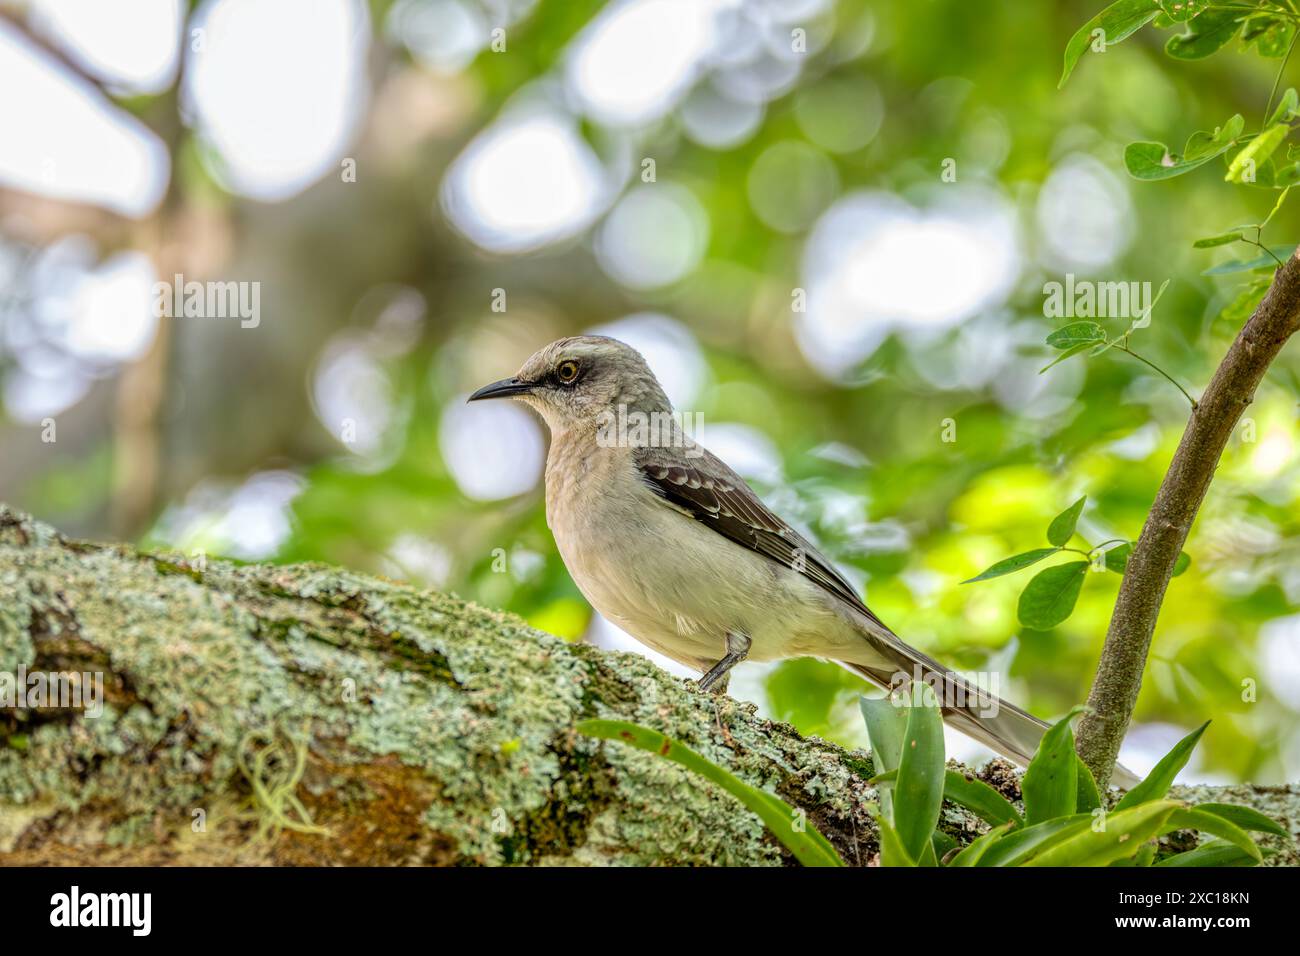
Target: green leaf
x=808, y=846
x=1117, y=558
x=1122, y=837
x=975, y=850
x=1264, y=261
x=1013, y=563
x=1087, y=796
x=1061, y=530
x=941, y=844
x=1285, y=107
x=929, y=855
x=886, y=728
x=1213, y=853
x=1068, y=353
x=1021, y=845
x=980, y=799
x=1073, y=339
x=1203, y=145
x=1270, y=35
x=1050, y=596
x=892, y=850
x=1161, y=778
x=1257, y=151
x=1265, y=175
x=1179, y=11
x=1207, y=34
x=1248, y=818
x=1143, y=857
x=1076, y=333
x=1244, y=303
x=1117, y=22
x=1050, y=786
x=975, y=795
x=1192, y=818
x=1286, y=176
x=1153, y=161
x=918, y=791
x=1220, y=240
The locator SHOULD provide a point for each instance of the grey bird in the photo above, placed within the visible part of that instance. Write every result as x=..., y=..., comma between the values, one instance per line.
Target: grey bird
x=675, y=548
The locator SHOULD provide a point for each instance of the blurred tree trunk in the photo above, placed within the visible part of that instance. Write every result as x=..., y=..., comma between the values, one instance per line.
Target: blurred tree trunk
x=306, y=714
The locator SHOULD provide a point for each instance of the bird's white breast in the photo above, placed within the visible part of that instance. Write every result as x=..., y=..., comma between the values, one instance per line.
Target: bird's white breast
x=668, y=580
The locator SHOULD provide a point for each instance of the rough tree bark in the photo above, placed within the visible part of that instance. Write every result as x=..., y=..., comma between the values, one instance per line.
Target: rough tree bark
x=305, y=714
x=1151, y=563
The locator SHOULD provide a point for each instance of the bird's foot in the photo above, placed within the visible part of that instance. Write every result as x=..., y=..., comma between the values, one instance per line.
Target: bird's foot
x=719, y=674
x=716, y=686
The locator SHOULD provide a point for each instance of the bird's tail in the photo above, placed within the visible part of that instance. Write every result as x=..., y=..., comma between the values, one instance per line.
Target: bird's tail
x=966, y=707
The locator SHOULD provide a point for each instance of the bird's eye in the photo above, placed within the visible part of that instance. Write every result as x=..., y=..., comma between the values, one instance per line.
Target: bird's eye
x=567, y=372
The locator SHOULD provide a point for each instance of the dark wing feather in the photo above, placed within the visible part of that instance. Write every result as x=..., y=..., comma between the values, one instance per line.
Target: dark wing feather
x=710, y=492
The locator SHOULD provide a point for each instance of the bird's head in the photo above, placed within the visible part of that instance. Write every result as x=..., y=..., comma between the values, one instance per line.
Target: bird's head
x=575, y=383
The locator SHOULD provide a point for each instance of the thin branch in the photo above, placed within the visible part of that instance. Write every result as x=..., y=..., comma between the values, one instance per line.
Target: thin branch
x=1153, y=365
x=1151, y=564
x=1255, y=242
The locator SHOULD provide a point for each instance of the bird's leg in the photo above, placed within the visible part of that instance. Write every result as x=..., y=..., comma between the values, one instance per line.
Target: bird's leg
x=737, y=651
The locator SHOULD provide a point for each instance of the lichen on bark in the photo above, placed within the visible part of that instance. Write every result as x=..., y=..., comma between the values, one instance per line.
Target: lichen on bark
x=434, y=730
x=430, y=730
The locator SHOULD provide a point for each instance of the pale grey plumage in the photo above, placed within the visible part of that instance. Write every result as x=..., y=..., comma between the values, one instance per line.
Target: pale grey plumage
x=674, y=547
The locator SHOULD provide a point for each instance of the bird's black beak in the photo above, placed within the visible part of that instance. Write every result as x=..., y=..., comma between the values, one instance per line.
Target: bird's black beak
x=502, y=389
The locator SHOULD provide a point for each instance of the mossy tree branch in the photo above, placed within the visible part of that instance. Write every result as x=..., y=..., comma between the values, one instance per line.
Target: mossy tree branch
x=1151, y=563
x=305, y=714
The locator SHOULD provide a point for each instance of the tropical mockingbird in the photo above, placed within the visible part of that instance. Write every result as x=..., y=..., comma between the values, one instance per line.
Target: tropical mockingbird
x=671, y=545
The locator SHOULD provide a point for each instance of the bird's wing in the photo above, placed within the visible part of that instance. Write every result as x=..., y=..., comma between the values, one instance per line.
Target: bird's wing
x=704, y=487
